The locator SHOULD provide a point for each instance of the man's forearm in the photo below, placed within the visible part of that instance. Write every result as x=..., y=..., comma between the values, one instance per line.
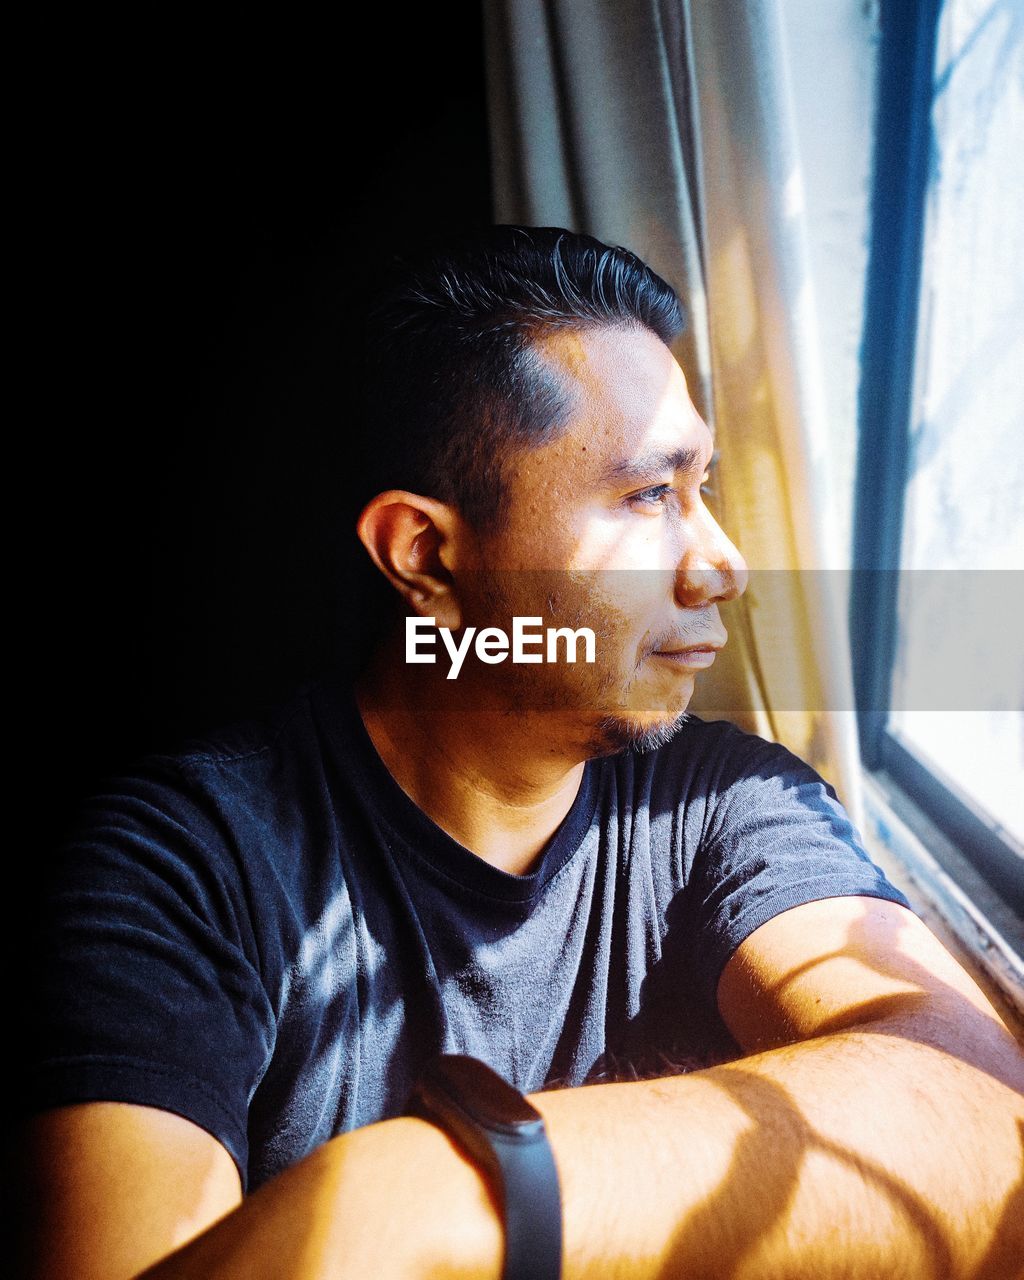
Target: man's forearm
x=856, y=1154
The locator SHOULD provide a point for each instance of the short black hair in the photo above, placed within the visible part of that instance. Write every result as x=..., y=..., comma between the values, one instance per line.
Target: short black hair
x=453, y=385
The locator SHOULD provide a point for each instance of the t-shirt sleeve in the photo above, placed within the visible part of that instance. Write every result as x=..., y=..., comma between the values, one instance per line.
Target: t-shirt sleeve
x=144, y=983
x=776, y=836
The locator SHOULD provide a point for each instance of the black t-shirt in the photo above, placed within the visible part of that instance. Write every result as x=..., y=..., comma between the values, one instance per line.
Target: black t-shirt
x=266, y=935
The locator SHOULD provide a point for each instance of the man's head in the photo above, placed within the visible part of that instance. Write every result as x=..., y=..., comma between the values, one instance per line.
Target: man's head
x=456, y=383
x=550, y=464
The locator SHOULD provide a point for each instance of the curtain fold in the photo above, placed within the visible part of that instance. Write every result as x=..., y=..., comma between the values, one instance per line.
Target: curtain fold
x=591, y=110
x=666, y=126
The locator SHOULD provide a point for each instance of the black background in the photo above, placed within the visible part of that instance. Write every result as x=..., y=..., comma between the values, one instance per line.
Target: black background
x=219, y=199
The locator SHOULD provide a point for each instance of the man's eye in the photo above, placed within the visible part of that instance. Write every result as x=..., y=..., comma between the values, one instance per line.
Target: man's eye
x=656, y=495
x=652, y=497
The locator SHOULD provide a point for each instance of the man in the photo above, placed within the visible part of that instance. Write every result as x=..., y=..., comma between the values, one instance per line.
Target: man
x=255, y=947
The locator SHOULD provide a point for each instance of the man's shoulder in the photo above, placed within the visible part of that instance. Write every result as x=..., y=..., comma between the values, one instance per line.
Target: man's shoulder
x=270, y=749
x=713, y=773
x=250, y=777
x=716, y=753
x=280, y=727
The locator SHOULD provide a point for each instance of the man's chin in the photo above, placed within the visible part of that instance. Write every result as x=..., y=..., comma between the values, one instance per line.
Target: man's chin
x=614, y=734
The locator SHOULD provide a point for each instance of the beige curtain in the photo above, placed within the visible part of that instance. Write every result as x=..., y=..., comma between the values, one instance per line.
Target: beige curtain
x=666, y=126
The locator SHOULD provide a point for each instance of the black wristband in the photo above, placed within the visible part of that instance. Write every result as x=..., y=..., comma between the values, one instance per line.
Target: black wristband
x=499, y=1129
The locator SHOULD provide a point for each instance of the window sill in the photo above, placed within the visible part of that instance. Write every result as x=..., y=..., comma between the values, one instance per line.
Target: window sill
x=952, y=898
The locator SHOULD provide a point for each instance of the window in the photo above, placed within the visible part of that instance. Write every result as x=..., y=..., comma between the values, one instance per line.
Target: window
x=937, y=606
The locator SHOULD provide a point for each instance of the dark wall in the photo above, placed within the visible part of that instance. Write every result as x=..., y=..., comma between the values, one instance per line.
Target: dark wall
x=223, y=198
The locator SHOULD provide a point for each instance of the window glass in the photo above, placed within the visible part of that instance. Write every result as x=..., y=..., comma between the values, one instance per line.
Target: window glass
x=957, y=698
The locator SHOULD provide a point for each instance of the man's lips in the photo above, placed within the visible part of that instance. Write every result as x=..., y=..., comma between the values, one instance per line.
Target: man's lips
x=694, y=655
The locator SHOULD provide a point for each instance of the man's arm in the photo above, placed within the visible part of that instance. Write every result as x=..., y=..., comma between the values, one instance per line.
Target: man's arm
x=877, y=1129
x=104, y=1189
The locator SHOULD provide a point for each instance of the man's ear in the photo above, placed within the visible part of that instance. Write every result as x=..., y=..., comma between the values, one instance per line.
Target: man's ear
x=416, y=542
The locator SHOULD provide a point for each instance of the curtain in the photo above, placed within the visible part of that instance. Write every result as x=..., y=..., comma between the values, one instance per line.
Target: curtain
x=666, y=126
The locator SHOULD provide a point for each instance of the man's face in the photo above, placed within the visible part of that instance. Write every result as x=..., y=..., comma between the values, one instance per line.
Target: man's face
x=608, y=529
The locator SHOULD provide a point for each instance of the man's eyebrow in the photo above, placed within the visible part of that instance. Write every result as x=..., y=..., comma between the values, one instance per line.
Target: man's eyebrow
x=648, y=464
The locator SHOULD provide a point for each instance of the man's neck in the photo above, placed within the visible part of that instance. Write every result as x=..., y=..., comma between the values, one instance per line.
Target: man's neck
x=484, y=776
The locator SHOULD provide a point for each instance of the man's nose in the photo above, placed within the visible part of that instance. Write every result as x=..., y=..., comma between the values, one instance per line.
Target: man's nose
x=711, y=569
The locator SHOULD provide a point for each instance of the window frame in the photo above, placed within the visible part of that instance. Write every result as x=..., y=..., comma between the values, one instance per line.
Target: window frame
x=903, y=143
